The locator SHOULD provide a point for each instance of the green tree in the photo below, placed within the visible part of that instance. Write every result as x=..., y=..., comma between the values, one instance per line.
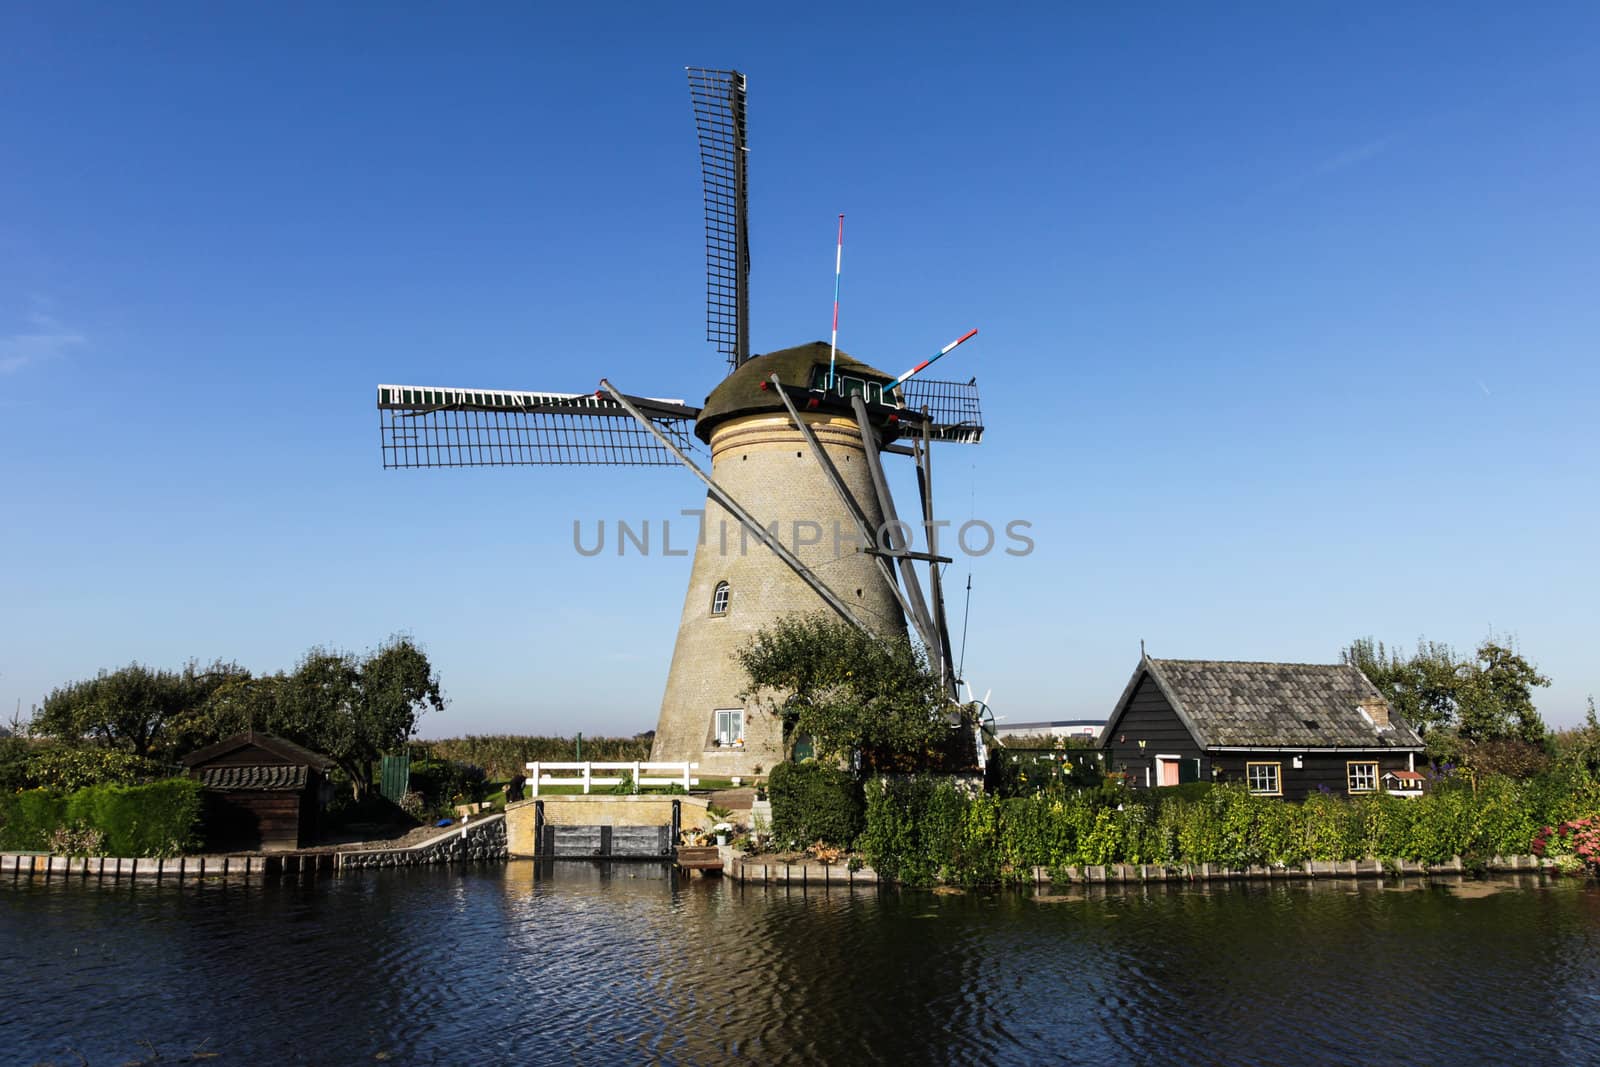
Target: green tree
x=1579, y=748
x=1423, y=687
x=1473, y=711
x=244, y=702
x=1494, y=701
x=132, y=708
x=849, y=691
x=354, y=709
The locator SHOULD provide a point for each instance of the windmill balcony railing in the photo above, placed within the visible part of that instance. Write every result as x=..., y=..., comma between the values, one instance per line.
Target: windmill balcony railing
x=638, y=772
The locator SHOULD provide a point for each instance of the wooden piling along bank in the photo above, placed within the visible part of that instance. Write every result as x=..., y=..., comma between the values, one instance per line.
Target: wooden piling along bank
x=742, y=868
x=250, y=867
x=483, y=839
x=759, y=870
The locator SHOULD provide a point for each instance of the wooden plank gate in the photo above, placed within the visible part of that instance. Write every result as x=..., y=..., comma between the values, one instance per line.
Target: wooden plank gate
x=605, y=842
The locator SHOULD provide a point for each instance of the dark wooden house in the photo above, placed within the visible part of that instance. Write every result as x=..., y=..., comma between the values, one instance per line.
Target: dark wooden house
x=1282, y=729
x=261, y=792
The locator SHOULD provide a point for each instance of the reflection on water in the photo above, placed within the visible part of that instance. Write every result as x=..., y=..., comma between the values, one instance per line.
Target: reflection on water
x=574, y=961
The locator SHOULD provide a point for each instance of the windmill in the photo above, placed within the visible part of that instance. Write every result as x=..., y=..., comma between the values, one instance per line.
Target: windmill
x=798, y=514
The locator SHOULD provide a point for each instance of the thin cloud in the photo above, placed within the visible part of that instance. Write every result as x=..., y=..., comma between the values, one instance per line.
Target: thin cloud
x=45, y=338
x=1351, y=157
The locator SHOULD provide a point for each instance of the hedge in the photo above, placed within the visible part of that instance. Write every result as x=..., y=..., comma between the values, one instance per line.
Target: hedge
x=814, y=802
x=158, y=819
x=923, y=830
x=26, y=764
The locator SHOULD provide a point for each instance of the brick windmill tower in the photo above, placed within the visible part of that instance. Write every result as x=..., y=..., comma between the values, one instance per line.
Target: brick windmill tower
x=798, y=514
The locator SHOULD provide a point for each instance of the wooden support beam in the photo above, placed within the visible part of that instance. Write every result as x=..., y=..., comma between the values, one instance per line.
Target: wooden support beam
x=920, y=557
x=737, y=510
x=880, y=485
x=852, y=505
x=947, y=670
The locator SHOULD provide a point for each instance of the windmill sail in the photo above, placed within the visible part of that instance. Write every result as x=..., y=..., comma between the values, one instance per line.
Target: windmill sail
x=953, y=407
x=427, y=426
x=719, y=120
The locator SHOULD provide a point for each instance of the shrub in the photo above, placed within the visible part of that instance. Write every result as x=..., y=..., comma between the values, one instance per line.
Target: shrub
x=441, y=781
x=1023, y=772
x=1574, y=846
x=912, y=826
x=70, y=769
x=158, y=819
x=814, y=802
x=1186, y=791
x=28, y=818
x=346, y=810
x=76, y=841
x=921, y=830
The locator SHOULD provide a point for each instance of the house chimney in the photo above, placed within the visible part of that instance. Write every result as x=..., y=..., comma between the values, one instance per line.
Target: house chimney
x=1376, y=709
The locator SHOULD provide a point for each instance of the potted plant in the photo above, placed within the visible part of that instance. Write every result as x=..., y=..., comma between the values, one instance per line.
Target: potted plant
x=722, y=830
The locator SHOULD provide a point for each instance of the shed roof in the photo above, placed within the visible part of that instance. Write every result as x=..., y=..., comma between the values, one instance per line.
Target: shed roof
x=740, y=393
x=283, y=748
x=1228, y=704
x=278, y=776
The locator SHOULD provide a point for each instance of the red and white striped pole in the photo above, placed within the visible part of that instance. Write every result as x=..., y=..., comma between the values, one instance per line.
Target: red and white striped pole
x=838, y=262
x=920, y=367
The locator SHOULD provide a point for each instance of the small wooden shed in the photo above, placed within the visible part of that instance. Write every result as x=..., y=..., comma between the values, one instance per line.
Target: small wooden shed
x=262, y=793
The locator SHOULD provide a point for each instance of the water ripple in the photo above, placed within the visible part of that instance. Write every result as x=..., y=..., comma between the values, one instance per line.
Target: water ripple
x=581, y=963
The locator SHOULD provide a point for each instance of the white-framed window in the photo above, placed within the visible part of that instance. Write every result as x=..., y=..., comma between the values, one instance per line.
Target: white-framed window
x=1363, y=776
x=719, y=599
x=1265, y=779
x=730, y=726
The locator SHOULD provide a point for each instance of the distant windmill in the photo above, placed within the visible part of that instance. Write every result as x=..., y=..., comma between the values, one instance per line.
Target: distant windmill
x=797, y=501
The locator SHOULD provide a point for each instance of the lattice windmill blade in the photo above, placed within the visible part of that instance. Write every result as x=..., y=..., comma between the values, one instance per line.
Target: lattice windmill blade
x=718, y=97
x=953, y=406
x=428, y=426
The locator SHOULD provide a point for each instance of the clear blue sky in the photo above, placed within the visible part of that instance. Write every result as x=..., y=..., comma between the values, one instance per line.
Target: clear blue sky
x=1289, y=324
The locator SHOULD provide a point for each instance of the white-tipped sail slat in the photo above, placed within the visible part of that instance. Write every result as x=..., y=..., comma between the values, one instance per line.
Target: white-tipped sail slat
x=414, y=397
x=448, y=426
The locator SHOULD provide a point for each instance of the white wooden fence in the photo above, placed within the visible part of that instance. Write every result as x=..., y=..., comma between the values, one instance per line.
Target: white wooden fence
x=584, y=774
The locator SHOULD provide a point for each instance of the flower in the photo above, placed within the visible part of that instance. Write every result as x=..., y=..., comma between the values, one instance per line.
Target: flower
x=1572, y=846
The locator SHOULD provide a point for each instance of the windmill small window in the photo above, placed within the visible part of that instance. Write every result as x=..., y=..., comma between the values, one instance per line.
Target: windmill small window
x=719, y=599
x=730, y=728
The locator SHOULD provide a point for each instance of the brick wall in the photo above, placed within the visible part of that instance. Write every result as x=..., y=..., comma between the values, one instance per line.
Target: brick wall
x=765, y=465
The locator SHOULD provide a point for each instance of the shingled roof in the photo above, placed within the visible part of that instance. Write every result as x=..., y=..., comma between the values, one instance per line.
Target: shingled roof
x=1272, y=705
x=279, y=776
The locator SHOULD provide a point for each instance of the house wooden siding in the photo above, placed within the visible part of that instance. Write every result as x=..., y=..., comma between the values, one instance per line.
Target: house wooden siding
x=258, y=820
x=1329, y=769
x=1149, y=718
x=1146, y=713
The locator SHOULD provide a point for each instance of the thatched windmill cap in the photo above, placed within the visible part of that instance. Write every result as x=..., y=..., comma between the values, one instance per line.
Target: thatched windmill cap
x=740, y=393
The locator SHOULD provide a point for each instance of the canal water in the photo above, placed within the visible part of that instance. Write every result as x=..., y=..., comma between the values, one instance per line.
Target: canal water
x=574, y=962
